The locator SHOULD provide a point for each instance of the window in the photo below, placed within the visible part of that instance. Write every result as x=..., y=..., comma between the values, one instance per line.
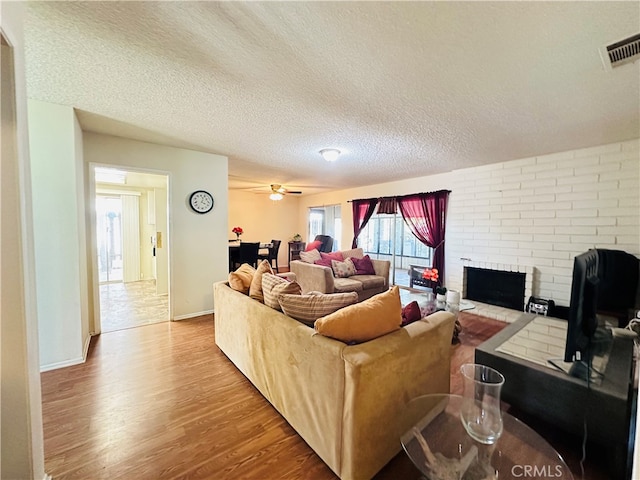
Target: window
x=378, y=240
x=326, y=221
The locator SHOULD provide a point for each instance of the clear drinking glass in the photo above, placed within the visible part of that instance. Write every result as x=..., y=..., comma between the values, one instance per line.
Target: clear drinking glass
x=480, y=412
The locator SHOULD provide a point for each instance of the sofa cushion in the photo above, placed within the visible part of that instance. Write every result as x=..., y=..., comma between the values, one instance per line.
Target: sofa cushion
x=255, y=290
x=240, y=280
x=311, y=256
x=353, y=253
x=363, y=265
x=369, y=281
x=343, y=269
x=273, y=285
x=372, y=318
x=411, y=313
x=341, y=285
x=308, y=308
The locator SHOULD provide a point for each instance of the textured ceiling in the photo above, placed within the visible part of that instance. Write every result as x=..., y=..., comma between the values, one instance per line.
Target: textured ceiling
x=402, y=88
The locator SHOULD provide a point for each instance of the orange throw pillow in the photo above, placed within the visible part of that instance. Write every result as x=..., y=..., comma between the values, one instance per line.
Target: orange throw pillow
x=255, y=290
x=240, y=280
x=372, y=318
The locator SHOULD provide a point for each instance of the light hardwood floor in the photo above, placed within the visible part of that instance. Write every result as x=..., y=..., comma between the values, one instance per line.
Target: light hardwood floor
x=162, y=402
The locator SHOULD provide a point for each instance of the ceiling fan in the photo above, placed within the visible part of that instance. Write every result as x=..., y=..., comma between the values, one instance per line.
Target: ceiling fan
x=276, y=188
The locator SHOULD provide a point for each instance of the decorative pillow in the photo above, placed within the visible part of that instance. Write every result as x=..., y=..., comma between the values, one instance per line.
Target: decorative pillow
x=325, y=262
x=332, y=256
x=272, y=286
x=311, y=256
x=240, y=280
x=364, y=265
x=343, y=269
x=315, y=245
x=307, y=308
x=255, y=290
x=411, y=313
x=372, y=318
x=325, y=258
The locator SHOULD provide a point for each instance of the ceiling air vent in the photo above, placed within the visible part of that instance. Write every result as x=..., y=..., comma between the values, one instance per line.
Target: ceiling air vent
x=624, y=51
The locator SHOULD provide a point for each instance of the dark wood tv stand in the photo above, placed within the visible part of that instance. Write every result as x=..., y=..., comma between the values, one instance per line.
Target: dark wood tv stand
x=565, y=401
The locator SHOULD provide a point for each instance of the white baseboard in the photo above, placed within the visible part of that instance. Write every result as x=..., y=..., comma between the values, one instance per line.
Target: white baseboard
x=192, y=315
x=65, y=363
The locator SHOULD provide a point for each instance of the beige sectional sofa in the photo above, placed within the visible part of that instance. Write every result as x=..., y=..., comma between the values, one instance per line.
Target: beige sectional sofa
x=348, y=402
x=321, y=279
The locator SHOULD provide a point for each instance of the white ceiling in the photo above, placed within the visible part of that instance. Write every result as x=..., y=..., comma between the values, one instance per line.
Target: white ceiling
x=402, y=88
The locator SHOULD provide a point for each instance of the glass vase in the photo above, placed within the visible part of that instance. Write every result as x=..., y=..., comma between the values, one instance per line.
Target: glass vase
x=480, y=413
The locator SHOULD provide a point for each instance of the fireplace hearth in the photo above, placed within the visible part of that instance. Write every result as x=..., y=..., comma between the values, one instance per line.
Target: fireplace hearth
x=495, y=287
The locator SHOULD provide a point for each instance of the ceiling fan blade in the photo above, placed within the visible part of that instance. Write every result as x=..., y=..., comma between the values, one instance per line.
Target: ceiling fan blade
x=294, y=192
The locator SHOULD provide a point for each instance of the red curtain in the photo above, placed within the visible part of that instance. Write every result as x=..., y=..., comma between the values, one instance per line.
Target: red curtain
x=426, y=214
x=387, y=205
x=362, y=211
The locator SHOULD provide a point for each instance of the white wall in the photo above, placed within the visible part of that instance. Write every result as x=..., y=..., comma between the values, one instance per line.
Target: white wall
x=198, y=247
x=541, y=212
x=22, y=446
x=56, y=177
x=264, y=220
x=537, y=212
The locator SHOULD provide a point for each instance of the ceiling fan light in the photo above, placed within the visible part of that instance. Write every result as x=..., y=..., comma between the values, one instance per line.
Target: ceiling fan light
x=330, y=154
x=275, y=196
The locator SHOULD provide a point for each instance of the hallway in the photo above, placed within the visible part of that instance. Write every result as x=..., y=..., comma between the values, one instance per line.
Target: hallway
x=127, y=305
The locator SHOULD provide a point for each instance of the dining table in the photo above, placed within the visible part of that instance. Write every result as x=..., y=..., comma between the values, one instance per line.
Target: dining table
x=234, y=248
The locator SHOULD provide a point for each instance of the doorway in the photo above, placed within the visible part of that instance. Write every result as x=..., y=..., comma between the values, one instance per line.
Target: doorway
x=132, y=259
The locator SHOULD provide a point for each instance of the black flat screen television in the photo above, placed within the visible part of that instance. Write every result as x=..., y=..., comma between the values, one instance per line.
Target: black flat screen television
x=583, y=321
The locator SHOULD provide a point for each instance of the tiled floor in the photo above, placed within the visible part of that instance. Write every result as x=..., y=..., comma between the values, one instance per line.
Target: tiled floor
x=127, y=305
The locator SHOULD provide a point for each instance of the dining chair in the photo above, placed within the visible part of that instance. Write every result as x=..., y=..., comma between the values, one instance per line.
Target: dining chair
x=248, y=253
x=272, y=254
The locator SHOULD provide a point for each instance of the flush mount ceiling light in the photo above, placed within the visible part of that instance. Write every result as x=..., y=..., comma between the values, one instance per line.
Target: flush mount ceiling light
x=330, y=154
x=275, y=196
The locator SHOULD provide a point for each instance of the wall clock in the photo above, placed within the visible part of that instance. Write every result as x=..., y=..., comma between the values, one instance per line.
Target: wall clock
x=201, y=201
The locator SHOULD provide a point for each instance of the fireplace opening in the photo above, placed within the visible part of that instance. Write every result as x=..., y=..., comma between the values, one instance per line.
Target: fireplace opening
x=495, y=287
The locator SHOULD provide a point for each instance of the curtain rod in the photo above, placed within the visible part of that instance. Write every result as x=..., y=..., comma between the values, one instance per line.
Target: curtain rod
x=397, y=196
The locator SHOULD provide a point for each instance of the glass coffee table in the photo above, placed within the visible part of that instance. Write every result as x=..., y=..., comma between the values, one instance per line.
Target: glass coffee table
x=451, y=453
x=428, y=303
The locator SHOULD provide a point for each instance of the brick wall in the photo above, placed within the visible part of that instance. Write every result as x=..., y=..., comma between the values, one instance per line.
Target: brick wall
x=541, y=212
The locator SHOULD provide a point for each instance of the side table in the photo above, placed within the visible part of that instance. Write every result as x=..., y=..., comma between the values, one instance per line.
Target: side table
x=294, y=250
x=518, y=452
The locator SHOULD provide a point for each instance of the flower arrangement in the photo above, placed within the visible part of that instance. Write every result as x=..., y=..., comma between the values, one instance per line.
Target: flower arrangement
x=431, y=275
x=238, y=231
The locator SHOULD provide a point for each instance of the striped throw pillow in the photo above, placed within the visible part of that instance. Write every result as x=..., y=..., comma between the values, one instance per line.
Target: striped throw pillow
x=307, y=308
x=273, y=286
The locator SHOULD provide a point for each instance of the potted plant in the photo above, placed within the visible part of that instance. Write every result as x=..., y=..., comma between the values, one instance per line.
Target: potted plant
x=441, y=293
x=297, y=237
